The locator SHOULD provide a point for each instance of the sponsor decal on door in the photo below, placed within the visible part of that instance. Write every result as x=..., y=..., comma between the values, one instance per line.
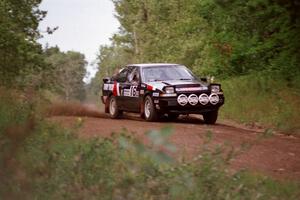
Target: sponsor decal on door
x=132, y=92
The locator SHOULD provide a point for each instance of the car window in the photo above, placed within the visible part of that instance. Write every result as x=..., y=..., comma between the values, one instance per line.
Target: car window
x=122, y=76
x=133, y=76
x=161, y=73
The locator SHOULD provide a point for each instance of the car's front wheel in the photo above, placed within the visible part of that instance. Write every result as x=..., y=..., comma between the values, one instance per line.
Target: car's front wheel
x=150, y=113
x=210, y=117
x=114, y=111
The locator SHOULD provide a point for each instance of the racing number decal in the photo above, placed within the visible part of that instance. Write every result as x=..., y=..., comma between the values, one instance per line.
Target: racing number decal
x=132, y=92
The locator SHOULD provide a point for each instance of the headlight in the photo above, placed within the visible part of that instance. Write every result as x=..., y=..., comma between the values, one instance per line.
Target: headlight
x=169, y=90
x=215, y=88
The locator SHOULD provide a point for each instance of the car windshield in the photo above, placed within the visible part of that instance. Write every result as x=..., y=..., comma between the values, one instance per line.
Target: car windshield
x=163, y=73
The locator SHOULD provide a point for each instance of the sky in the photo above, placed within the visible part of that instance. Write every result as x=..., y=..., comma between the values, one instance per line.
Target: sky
x=84, y=25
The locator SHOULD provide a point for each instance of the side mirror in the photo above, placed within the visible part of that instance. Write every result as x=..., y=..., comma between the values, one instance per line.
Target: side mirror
x=204, y=79
x=106, y=79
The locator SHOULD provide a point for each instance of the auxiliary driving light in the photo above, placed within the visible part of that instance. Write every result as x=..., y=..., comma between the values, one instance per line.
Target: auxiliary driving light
x=193, y=99
x=182, y=99
x=203, y=99
x=214, y=99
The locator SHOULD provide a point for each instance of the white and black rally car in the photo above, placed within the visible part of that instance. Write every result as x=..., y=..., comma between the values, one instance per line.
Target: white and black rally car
x=157, y=89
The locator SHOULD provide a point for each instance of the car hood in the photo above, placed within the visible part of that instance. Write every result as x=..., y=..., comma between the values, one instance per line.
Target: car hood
x=177, y=84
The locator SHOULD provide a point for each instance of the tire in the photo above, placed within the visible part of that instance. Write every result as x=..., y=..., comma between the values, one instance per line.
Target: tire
x=150, y=112
x=210, y=117
x=114, y=111
x=172, y=116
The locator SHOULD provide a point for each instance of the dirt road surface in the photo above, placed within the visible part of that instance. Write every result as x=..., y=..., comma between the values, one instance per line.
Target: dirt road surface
x=277, y=156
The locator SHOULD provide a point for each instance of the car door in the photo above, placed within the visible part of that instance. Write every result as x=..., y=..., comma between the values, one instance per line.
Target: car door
x=130, y=90
x=119, y=85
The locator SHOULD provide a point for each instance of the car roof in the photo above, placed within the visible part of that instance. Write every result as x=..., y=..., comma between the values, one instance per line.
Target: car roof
x=153, y=64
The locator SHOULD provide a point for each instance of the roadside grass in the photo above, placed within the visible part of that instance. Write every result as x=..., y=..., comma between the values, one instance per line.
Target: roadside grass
x=264, y=100
x=45, y=161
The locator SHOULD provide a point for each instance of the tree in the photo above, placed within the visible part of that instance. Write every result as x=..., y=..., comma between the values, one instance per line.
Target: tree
x=20, y=54
x=67, y=74
x=110, y=59
x=224, y=38
x=212, y=37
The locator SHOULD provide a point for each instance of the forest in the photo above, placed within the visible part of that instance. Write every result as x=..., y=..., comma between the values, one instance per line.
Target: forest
x=252, y=47
x=224, y=38
x=24, y=63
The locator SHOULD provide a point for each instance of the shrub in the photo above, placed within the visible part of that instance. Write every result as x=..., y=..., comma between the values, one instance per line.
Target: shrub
x=263, y=99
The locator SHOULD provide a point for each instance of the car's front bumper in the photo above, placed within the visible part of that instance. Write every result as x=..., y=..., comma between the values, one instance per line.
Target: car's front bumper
x=170, y=105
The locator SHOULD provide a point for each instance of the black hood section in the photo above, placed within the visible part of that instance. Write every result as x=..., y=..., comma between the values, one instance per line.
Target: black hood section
x=177, y=84
x=185, y=83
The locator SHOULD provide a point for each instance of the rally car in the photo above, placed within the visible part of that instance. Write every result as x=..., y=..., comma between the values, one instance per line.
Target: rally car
x=155, y=89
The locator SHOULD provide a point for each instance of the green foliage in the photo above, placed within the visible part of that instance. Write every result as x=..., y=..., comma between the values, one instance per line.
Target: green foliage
x=66, y=74
x=262, y=99
x=52, y=162
x=20, y=54
x=111, y=59
x=213, y=37
x=251, y=36
x=227, y=39
x=12, y=112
